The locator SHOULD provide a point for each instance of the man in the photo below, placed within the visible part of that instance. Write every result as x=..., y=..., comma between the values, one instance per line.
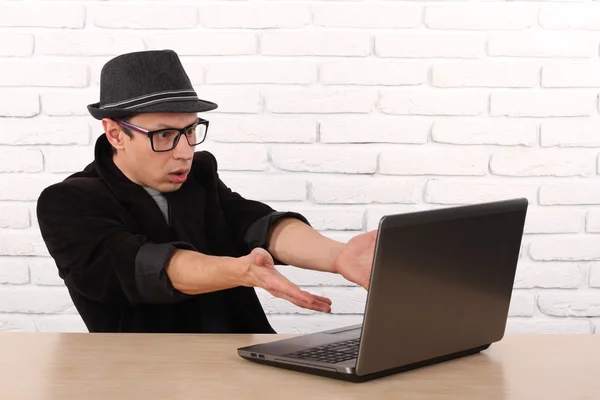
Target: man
x=149, y=239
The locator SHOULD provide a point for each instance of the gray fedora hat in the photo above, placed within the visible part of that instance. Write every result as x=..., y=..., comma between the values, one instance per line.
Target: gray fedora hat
x=144, y=82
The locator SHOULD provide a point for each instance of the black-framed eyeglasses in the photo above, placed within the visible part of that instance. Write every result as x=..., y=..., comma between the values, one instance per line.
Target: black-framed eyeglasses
x=167, y=139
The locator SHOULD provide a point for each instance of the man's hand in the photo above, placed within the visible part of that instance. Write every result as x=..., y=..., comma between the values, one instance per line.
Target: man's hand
x=262, y=273
x=355, y=260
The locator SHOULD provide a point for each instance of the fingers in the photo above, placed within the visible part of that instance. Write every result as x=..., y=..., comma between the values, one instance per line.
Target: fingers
x=283, y=285
x=316, y=305
x=322, y=299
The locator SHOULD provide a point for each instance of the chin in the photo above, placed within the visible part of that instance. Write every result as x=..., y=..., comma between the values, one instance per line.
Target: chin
x=170, y=187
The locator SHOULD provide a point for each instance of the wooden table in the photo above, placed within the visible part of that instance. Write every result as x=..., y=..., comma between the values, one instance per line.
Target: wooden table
x=148, y=366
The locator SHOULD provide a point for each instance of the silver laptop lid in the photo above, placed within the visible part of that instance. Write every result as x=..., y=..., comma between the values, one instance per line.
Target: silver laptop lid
x=441, y=283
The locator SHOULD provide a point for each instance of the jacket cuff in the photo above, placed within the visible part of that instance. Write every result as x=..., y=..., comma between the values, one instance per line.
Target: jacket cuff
x=258, y=233
x=151, y=278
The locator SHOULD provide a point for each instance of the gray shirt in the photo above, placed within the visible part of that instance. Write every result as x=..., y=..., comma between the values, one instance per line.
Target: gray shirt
x=160, y=200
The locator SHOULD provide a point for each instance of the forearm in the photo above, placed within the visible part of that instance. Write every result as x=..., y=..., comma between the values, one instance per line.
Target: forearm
x=193, y=273
x=296, y=243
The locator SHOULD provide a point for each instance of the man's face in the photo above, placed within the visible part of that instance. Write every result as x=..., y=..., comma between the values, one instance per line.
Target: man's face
x=163, y=171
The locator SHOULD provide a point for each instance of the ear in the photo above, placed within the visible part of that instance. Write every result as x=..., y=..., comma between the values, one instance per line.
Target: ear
x=114, y=133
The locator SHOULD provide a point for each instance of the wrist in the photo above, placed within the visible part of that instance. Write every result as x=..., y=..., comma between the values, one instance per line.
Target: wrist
x=336, y=248
x=238, y=269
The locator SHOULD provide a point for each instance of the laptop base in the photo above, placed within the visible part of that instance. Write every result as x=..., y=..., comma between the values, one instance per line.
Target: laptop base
x=364, y=378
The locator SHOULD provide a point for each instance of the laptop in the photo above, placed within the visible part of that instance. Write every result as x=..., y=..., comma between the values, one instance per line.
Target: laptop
x=440, y=289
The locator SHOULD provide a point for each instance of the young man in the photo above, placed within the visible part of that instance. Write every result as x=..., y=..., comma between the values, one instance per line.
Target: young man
x=149, y=239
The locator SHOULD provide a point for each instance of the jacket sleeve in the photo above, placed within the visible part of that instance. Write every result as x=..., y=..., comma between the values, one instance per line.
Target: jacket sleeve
x=98, y=256
x=251, y=220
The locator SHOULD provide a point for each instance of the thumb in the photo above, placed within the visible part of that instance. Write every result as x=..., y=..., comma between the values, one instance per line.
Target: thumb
x=260, y=256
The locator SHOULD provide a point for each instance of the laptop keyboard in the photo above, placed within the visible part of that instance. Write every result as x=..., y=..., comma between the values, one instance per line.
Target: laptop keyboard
x=330, y=353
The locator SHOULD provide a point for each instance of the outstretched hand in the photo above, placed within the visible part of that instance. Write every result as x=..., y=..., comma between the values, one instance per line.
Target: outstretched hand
x=355, y=261
x=262, y=273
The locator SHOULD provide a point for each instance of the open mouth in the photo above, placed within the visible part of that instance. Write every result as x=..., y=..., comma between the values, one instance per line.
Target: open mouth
x=179, y=175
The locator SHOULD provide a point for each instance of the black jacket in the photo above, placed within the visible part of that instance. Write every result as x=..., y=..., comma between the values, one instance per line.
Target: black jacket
x=111, y=243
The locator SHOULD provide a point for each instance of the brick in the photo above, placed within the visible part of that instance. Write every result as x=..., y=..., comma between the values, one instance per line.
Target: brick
x=483, y=16
x=430, y=45
x=433, y=161
x=543, y=104
x=236, y=157
x=35, y=300
x=14, y=216
x=32, y=211
x=315, y=43
x=87, y=43
x=476, y=73
x=44, y=272
x=570, y=133
x=548, y=275
x=548, y=162
x=432, y=102
x=273, y=72
x=68, y=158
x=569, y=193
x=304, y=324
x=373, y=72
x=22, y=242
x=522, y=326
x=205, y=43
x=365, y=190
x=543, y=44
x=16, y=323
x=232, y=99
x=14, y=103
x=60, y=323
x=44, y=15
x=264, y=129
x=378, y=15
x=324, y=159
x=324, y=218
x=16, y=44
x=466, y=131
x=68, y=103
x=554, y=220
x=25, y=187
x=266, y=187
x=571, y=75
x=565, y=248
x=43, y=131
x=13, y=270
x=570, y=304
x=456, y=192
x=594, y=278
x=44, y=74
x=20, y=160
x=144, y=17
x=522, y=304
x=345, y=300
x=593, y=221
x=374, y=129
x=572, y=16
x=255, y=16
x=319, y=100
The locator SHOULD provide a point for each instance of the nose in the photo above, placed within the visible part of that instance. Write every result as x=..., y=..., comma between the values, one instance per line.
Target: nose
x=183, y=151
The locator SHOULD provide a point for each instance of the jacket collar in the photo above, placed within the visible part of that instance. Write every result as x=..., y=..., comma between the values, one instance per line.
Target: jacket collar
x=186, y=204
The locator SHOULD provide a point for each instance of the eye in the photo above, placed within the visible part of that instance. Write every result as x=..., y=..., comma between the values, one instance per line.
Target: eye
x=163, y=135
x=191, y=131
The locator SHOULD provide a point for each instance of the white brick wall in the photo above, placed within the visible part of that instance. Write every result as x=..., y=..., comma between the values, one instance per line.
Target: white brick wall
x=344, y=111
